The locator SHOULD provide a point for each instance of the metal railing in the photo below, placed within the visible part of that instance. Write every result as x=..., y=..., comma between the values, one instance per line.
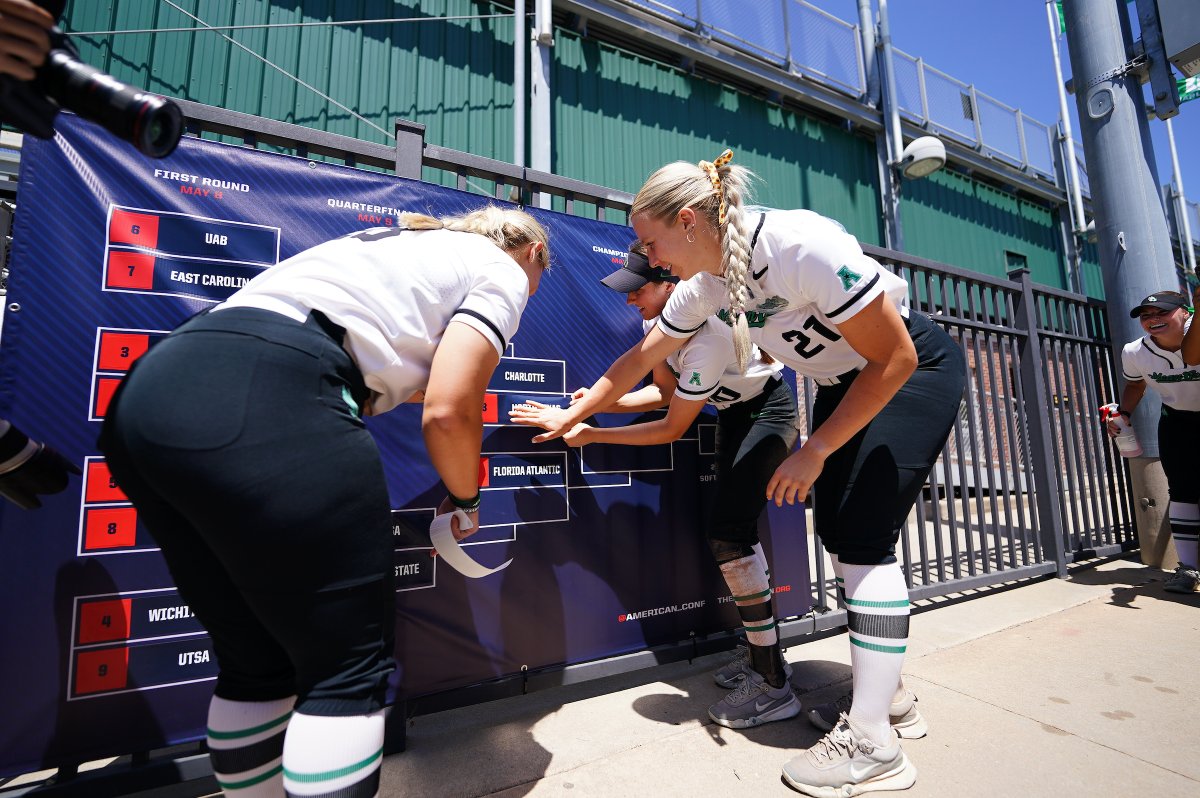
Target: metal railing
x=812, y=43
x=790, y=34
x=1027, y=481
x=943, y=104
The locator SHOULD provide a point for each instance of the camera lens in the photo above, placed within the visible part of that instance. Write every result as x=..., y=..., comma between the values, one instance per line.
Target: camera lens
x=159, y=127
x=151, y=123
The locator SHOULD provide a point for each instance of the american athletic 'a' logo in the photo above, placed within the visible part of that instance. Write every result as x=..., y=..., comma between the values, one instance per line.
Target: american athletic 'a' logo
x=848, y=277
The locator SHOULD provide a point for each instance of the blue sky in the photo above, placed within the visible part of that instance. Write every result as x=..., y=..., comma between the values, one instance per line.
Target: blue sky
x=1003, y=48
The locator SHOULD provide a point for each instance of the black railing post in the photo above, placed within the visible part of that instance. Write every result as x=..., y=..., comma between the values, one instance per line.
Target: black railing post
x=410, y=148
x=1041, y=443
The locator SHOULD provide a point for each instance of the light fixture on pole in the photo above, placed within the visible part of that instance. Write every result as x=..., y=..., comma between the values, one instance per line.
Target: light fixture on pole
x=922, y=157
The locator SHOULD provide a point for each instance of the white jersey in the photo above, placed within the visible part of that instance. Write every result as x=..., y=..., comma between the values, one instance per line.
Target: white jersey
x=807, y=275
x=1177, y=383
x=394, y=291
x=706, y=368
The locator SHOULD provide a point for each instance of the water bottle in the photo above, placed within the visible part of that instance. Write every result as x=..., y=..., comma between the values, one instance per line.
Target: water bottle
x=1126, y=438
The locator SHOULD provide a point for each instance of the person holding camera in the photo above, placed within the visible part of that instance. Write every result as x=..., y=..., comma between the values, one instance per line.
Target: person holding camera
x=24, y=38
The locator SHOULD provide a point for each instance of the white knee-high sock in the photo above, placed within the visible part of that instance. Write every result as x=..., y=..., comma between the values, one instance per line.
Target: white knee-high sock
x=877, y=608
x=1185, y=531
x=326, y=756
x=245, y=745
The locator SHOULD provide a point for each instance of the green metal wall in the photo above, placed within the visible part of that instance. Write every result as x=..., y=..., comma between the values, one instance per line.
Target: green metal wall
x=955, y=219
x=454, y=76
x=616, y=115
x=619, y=116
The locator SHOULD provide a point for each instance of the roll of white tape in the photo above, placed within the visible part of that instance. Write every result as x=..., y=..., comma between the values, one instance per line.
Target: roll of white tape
x=441, y=535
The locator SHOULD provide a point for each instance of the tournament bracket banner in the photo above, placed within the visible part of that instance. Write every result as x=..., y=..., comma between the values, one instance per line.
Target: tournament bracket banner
x=112, y=250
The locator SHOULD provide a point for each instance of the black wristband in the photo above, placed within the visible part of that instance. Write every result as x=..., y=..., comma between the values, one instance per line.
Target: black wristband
x=1123, y=412
x=466, y=505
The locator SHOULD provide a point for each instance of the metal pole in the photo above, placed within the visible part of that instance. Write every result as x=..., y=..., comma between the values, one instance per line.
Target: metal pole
x=866, y=27
x=1131, y=227
x=519, y=95
x=1073, y=186
x=888, y=143
x=540, y=143
x=890, y=100
x=1185, y=226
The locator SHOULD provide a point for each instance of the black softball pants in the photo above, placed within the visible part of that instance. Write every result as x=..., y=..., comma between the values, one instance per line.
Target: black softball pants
x=238, y=441
x=1178, y=439
x=869, y=485
x=753, y=438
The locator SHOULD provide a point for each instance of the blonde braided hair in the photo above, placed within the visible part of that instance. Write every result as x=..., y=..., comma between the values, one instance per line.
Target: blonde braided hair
x=719, y=191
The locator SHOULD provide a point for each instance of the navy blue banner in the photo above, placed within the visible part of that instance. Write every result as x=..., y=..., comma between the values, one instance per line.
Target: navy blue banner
x=112, y=250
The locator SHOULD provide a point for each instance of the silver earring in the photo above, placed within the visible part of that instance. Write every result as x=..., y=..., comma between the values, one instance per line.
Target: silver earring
x=691, y=237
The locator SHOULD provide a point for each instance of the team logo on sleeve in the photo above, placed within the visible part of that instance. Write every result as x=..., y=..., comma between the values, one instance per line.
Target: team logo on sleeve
x=695, y=380
x=848, y=277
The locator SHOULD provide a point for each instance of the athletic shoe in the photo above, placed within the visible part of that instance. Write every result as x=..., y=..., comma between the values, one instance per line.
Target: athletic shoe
x=904, y=716
x=754, y=702
x=845, y=762
x=731, y=674
x=1184, y=580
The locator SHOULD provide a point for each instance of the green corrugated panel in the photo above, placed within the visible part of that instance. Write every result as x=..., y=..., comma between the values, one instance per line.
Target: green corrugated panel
x=171, y=59
x=1090, y=267
x=952, y=218
x=619, y=116
x=81, y=15
x=453, y=76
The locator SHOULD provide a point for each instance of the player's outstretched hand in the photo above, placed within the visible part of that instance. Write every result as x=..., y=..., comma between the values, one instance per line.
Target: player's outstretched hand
x=795, y=476
x=548, y=417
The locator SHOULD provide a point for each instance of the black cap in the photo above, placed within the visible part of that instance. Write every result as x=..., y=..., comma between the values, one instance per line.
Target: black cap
x=636, y=272
x=1163, y=300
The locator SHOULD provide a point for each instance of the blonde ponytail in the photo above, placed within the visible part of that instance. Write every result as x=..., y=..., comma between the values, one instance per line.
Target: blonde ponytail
x=507, y=228
x=719, y=191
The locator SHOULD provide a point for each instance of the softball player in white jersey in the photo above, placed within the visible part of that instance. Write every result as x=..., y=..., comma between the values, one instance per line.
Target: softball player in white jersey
x=890, y=385
x=1163, y=361
x=756, y=430
x=239, y=440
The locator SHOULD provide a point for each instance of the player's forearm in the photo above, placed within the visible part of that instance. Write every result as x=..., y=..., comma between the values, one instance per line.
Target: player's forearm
x=1131, y=395
x=648, y=433
x=639, y=401
x=622, y=375
x=453, y=437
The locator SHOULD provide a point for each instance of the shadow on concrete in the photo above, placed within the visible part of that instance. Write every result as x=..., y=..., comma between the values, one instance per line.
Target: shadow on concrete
x=1131, y=581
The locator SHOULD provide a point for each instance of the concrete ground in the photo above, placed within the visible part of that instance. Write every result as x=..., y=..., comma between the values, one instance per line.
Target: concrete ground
x=1084, y=686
